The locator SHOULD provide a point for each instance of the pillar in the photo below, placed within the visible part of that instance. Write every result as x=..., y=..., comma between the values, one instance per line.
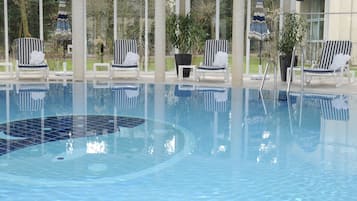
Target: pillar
x=238, y=42
x=79, y=39
x=160, y=40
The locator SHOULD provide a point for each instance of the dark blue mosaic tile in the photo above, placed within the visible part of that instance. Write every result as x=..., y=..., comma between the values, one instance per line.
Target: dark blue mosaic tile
x=36, y=131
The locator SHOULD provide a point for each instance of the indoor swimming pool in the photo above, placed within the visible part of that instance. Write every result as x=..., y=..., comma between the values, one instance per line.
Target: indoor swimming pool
x=139, y=141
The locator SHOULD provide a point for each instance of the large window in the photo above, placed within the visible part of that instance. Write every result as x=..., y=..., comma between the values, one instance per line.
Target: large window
x=57, y=34
x=131, y=24
x=23, y=19
x=2, y=31
x=100, y=35
x=313, y=13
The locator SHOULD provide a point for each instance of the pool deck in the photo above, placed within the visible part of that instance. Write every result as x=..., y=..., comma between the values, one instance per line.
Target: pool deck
x=324, y=85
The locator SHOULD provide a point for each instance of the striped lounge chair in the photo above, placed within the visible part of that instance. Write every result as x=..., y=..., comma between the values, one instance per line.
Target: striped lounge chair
x=211, y=49
x=24, y=48
x=121, y=50
x=329, y=50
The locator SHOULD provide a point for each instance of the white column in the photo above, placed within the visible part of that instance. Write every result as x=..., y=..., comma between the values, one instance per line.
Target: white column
x=6, y=32
x=326, y=19
x=115, y=21
x=247, y=45
x=79, y=39
x=177, y=7
x=293, y=6
x=40, y=8
x=237, y=42
x=146, y=35
x=187, y=6
x=217, y=18
x=351, y=22
x=281, y=15
x=160, y=41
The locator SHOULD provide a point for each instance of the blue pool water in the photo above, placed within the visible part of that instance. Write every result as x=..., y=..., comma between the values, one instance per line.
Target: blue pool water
x=125, y=141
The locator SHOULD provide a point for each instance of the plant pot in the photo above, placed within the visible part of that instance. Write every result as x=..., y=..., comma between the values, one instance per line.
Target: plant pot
x=183, y=59
x=285, y=61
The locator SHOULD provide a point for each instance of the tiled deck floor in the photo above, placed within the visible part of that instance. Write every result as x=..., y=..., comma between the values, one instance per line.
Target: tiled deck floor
x=326, y=85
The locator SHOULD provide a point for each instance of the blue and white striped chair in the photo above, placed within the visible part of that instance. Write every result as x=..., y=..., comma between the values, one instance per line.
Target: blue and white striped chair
x=329, y=50
x=211, y=49
x=121, y=49
x=24, y=48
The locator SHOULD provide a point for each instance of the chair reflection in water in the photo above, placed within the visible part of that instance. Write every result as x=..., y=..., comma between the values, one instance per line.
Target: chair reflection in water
x=335, y=108
x=215, y=99
x=125, y=97
x=318, y=113
x=31, y=97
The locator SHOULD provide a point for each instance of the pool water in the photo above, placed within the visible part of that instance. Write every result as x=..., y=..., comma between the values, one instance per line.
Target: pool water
x=126, y=141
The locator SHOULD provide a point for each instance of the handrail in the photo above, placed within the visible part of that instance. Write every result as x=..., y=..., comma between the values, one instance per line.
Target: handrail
x=269, y=63
x=291, y=72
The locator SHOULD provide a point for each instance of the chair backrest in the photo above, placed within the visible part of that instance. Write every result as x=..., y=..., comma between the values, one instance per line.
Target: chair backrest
x=211, y=48
x=331, y=48
x=24, y=47
x=122, y=47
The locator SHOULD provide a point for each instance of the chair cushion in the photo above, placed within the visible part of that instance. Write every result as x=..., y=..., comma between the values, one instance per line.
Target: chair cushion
x=131, y=59
x=37, y=57
x=124, y=66
x=319, y=70
x=220, y=59
x=33, y=66
x=211, y=68
x=339, y=60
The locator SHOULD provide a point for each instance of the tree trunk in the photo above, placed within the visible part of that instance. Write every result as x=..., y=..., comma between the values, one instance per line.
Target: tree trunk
x=24, y=21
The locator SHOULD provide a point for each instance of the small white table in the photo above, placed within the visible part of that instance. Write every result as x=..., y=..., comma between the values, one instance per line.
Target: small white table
x=95, y=65
x=180, y=71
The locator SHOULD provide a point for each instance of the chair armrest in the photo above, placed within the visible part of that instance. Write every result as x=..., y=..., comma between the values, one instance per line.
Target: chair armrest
x=314, y=65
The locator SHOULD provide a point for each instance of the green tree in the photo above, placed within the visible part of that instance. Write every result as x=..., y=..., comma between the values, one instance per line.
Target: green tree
x=23, y=25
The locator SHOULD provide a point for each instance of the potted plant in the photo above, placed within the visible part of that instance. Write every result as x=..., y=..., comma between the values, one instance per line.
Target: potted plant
x=183, y=33
x=291, y=35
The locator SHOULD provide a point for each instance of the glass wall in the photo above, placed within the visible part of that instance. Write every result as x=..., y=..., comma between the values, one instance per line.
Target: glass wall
x=313, y=14
x=225, y=20
x=23, y=19
x=204, y=15
x=131, y=24
x=100, y=35
x=57, y=33
x=2, y=36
